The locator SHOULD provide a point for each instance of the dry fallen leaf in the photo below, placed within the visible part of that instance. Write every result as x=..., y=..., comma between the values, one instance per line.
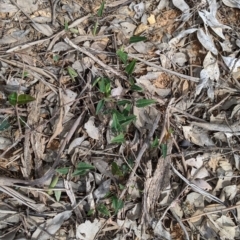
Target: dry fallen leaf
x=92, y=131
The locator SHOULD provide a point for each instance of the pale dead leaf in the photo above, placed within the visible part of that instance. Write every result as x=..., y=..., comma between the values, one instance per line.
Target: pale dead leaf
x=117, y=92
x=227, y=227
x=7, y=8
x=199, y=174
x=16, y=36
x=75, y=143
x=195, y=199
x=68, y=98
x=195, y=162
x=4, y=143
x=202, y=184
x=60, y=46
x=197, y=136
x=88, y=230
x=229, y=192
x=92, y=131
x=43, y=28
x=51, y=226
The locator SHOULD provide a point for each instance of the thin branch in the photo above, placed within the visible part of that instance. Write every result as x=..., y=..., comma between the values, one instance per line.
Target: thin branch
x=194, y=79
x=140, y=154
x=98, y=61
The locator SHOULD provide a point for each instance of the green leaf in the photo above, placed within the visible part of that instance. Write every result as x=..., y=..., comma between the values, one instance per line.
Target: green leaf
x=19, y=99
x=164, y=149
x=100, y=10
x=94, y=32
x=118, y=139
x=56, y=58
x=66, y=25
x=53, y=184
x=121, y=187
x=79, y=172
x=108, y=89
x=25, y=74
x=129, y=119
x=100, y=105
x=123, y=102
x=155, y=143
x=73, y=30
x=136, y=88
x=57, y=194
x=122, y=55
x=135, y=39
x=96, y=81
x=90, y=212
x=130, y=67
x=126, y=168
x=104, y=85
x=117, y=204
x=63, y=170
x=83, y=168
x=116, y=170
x=24, y=98
x=12, y=98
x=4, y=124
x=103, y=210
x=119, y=115
x=131, y=80
x=127, y=110
x=144, y=102
x=115, y=124
x=72, y=73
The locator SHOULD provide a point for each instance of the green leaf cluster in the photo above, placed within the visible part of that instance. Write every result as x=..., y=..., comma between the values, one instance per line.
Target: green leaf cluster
x=104, y=86
x=72, y=73
x=117, y=204
x=82, y=169
x=123, y=169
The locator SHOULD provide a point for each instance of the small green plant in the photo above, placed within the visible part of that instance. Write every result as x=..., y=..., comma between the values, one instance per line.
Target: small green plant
x=163, y=145
x=25, y=74
x=63, y=170
x=82, y=169
x=103, y=210
x=15, y=99
x=104, y=86
x=122, y=170
x=4, y=124
x=99, y=14
x=121, y=112
x=117, y=204
x=56, y=58
x=66, y=28
x=53, y=183
x=155, y=143
x=72, y=73
x=135, y=39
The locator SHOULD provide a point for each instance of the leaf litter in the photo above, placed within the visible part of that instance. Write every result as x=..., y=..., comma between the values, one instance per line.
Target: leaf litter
x=117, y=117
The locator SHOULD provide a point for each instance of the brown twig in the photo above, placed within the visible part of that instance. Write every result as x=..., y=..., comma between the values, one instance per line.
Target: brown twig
x=140, y=154
x=224, y=208
x=194, y=79
x=98, y=61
